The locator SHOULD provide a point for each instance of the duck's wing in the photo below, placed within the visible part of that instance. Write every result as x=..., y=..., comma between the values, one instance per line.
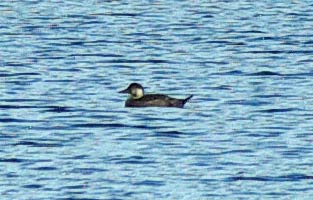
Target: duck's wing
x=161, y=100
x=158, y=100
x=153, y=97
x=155, y=100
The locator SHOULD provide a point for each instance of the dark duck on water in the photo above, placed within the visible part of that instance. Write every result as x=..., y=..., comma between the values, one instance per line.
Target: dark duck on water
x=139, y=99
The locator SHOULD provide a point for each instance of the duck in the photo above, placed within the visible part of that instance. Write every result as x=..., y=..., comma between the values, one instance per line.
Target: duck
x=139, y=99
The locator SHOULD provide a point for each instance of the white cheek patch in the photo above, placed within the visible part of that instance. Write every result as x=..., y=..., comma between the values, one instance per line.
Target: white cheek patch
x=139, y=93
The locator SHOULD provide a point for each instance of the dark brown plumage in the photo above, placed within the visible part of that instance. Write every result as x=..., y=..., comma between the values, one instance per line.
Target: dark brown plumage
x=139, y=99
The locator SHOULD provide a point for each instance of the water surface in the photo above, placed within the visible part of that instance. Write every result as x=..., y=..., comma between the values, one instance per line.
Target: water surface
x=246, y=134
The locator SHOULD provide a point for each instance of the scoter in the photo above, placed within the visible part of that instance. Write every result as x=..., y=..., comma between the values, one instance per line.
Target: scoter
x=139, y=99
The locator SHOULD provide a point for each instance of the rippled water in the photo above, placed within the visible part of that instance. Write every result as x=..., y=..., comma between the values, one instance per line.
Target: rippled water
x=246, y=134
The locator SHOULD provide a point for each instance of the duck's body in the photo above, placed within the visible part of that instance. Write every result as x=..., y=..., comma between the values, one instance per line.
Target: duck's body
x=156, y=100
x=139, y=99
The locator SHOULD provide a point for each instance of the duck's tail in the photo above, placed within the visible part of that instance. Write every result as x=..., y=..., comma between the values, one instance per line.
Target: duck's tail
x=187, y=99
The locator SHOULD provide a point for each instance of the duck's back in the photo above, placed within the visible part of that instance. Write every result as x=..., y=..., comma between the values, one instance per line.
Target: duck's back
x=155, y=100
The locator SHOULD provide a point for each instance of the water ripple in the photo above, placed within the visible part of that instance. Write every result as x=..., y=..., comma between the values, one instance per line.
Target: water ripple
x=291, y=177
x=246, y=134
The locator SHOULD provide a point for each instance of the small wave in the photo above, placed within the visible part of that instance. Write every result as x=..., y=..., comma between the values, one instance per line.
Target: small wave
x=12, y=160
x=65, y=70
x=237, y=151
x=8, y=120
x=221, y=87
x=207, y=16
x=57, y=109
x=150, y=183
x=233, y=72
x=153, y=61
x=95, y=55
x=16, y=107
x=20, y=100
x=123, y=14
x=268, y=96
x=32, y=186
x=20, y=74
x=74, y=187
x=89, y=17
x=277, y=110
x=287, y=178
x=247, y=102
x=79, y=157
x=87, y=171
x=132, y=160
x=172, y=134
x=265, y=73
x=36, y=144
x=45, y=168
x=251, y=31
x=281, y=51
x=112, y=125
x=59, y=81
x=15, y=64
x=79, y=43
x=7, y=136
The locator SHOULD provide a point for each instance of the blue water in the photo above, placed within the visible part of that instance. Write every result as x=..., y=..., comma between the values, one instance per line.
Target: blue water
x=246, y=134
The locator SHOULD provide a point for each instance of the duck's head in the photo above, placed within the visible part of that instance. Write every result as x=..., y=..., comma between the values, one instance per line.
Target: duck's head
x=135, y=90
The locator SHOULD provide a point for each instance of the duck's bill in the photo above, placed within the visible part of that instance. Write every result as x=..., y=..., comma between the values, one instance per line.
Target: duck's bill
x=123, y=91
